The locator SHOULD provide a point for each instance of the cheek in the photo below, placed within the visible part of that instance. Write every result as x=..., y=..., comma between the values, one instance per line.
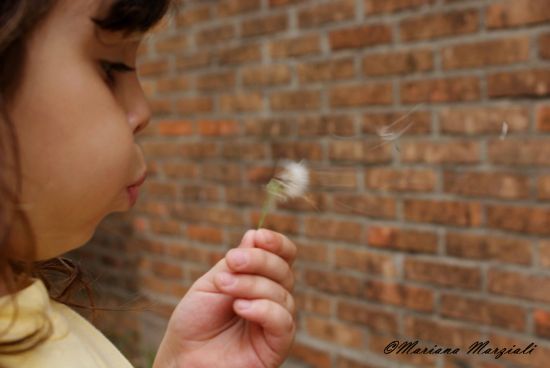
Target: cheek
x=77, y=150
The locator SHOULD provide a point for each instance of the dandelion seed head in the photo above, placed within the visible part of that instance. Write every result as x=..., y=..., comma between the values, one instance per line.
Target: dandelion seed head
x=293, y=179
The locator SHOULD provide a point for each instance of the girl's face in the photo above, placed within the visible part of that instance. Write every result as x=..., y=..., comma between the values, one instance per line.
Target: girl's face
x=76, y=128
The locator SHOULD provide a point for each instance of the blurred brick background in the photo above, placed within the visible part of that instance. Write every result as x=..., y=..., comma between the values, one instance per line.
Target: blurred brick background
x=441, y=235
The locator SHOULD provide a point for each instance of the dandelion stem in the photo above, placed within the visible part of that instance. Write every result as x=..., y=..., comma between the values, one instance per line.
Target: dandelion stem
x=273, y=189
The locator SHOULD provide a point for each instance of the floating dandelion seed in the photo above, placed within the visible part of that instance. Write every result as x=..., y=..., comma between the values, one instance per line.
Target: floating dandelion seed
x=291, y=183
x=504, y=131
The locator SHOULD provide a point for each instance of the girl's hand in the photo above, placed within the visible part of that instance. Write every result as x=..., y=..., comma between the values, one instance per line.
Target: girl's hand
x=212, y=327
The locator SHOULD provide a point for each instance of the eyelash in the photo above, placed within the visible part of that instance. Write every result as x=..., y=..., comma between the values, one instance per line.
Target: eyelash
x=110, y=68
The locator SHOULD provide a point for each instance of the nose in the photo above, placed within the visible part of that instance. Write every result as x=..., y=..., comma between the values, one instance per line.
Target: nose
x=137, y=107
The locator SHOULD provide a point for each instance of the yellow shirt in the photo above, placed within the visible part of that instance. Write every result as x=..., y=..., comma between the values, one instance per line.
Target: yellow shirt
x=74, y=342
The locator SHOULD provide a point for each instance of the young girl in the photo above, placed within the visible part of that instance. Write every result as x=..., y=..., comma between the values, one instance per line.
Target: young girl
x=71, y=106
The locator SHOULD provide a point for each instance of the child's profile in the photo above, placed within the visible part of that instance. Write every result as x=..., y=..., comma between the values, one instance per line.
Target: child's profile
x=71, y=106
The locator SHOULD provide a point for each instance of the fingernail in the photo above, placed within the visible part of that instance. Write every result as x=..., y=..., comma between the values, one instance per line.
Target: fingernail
x=265, y=236
x=243, y=304
x=226, y=279
x=237, y=257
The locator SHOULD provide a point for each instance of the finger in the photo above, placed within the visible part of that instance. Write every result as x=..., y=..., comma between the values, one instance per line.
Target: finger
x=277, y=243
x=261, y=262
x=254, y=287
x=277, y=323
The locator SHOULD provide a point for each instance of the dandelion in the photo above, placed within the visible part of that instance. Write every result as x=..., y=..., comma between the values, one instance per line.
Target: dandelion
x=504, y=131
x=291, y=183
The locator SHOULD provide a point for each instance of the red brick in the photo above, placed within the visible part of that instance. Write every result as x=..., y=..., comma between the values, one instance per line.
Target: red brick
x=334, y=179
x=486, y=53
x=222, y=173
x=365, y=205
x=489, y=248
x=153, y=67
x=486, y=184
x=411, y=297
x=359, y=151
x=443, y=333
x=543, y=119
x=240, y=54
x=484, y=120
x=241, y=102
x=197, y=150
x=542, y=322
x=166, y=269
x=269, y=24
x=295, y=100
x=528, y=83
x=298, y=150
x=418, y=122
x=321, y=14
x=443, y=212
x=296, y=46
x=440, y=152
x=403, y=62
x=443, y=274
x=441, y=90
x=534, y=152
x=439, y=25
x=243, y=151
x=197, y=60
x=374, y=319
x=333, y=229
x=407, y=180
x=530, y=220
x=271, y=75
x=179, y=170
x=512, y=13
x=229, y=8
x=204, y=234
x=278, y=3
x=360, y=37
x=200, y=193
x=346, y=362
x=189, y=16
x=173, y=84
x=366, y=262
x=209, y=214
x=316, y=252
x=218, y=127
x=172, y=43
x=537, y=359
x=268, y=127
x=392, y=6
x=311, y=302
x=341, y=125
x=333, y=283
x=519, y=285
x=165, y=227
x=544, y=253
x=194, y=105
x=284, y=224
x=402, y=239
x=334, y=69
x=216, y=81
x=158, y=189
x=175, y=127
x=335, y=332
x=544, y=46
x=216, y=34
x=316, y=357
x=543, y=187
x=361, y=95
x=508, y=316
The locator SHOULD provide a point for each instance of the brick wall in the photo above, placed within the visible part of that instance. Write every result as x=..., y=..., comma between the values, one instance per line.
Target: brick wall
x=441, y=235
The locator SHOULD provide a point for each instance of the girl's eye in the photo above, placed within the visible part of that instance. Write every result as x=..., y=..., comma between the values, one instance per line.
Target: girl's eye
x=110, y=68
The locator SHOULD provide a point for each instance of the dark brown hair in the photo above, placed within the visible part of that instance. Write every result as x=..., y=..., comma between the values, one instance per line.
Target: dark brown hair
x=61, y=276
